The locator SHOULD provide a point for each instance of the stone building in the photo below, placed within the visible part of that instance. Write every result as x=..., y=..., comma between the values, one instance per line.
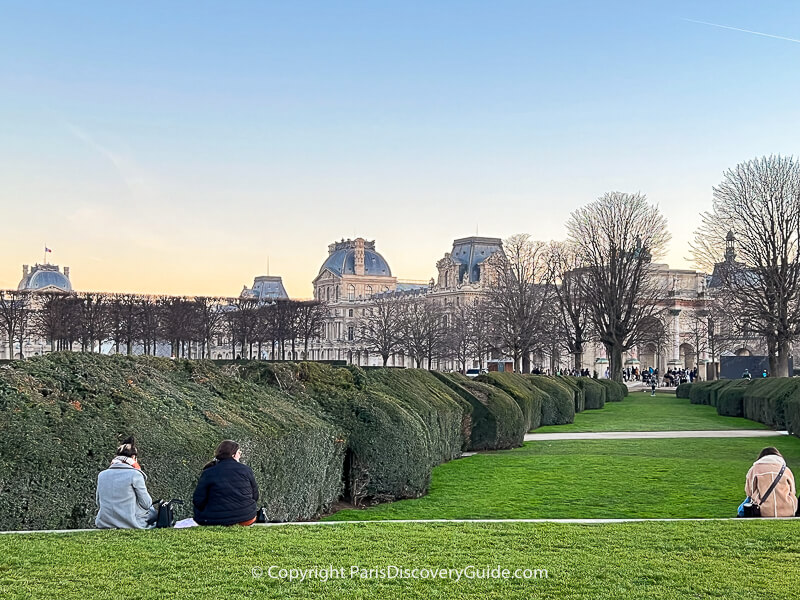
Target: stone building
x=354, y=273
x=39, y=278
x=265, y=289
x=45, y=278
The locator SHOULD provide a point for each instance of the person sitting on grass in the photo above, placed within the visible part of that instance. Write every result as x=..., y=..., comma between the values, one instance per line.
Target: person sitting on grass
x=227, y=491
x=121, y=495
x=782, y=502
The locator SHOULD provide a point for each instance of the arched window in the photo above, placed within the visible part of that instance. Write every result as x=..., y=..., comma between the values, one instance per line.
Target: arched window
x=447, y=279
x=328, y=293
x=351, y=292
x=368, y=291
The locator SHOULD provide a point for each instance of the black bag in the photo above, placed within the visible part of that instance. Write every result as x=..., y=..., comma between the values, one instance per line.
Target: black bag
x=166, y=513
x=261, y=515
x=752, y=510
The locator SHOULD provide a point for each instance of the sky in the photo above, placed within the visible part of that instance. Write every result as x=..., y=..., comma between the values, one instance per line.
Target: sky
x=182, y=147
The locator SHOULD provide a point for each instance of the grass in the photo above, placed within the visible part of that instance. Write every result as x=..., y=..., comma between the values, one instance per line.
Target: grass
x=699, y=477
x=705, y=560
x=640, y=412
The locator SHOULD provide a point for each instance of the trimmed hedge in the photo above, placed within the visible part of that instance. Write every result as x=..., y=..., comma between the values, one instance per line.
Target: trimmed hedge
x=683, y=390
x=558, y=407
x=594, y=393
x=526, y=395
x=705, y=392
x=398, y=423
x=615, y=391
x=764, y=401
x=577, y=392
x=772, y=401
x=730, y=399
x=312, y=433
x=62, y=416
x=791, y=408
x=497, y=420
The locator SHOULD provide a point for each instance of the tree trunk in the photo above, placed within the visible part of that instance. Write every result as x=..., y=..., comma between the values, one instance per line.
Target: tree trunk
x=782, y=363
x=578, y=360
x=385, y=358
x=614, y=352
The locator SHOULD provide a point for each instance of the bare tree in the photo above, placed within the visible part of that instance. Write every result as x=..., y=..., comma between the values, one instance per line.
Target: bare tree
x=381, y=328
x=480, y=341
x=423, y=324
x=573, y=314
x=15, y=311
x=55, y=319
x=310, y=317
x=458, y=338
x=757, y=207
x=209, y=319
x=518, y=299
x=149, y=324
x=94, y=320
x=615, y=238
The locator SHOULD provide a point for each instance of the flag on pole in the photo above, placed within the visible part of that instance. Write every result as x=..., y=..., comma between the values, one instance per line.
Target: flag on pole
x=46, y=249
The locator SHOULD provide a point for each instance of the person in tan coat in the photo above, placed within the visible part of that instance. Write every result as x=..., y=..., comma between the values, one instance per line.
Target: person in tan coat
x=782, y=502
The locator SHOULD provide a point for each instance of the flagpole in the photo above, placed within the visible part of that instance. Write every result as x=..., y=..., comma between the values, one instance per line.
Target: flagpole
x=45, y=253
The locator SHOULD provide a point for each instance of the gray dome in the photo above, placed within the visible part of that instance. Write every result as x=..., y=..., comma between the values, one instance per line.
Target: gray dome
x=342, y=262
x=41, y=279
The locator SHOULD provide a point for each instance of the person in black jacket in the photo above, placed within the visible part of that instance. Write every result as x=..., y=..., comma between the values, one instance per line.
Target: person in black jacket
x=227, y=491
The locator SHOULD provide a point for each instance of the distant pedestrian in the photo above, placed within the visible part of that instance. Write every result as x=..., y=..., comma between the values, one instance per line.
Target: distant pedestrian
x=746, y=375
x=653, y=385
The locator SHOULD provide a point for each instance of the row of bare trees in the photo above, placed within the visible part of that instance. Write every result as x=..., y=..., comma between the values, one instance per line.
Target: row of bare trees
x=134, y=323
x=425, y=330
x=753, y=230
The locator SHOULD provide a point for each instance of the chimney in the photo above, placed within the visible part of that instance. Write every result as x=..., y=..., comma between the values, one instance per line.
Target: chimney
x=359, y=256
x=66, y=272
x=24, y=271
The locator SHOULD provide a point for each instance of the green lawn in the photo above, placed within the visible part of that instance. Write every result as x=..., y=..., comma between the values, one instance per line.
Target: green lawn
x=640, y=412
x=730, y=559
x=701, y=477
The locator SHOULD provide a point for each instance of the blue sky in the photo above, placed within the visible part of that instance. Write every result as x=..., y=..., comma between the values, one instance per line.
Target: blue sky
x=173, y=146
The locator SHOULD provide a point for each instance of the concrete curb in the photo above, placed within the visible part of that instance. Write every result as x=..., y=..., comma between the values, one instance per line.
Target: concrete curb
x=435, y=521
x=653, y=435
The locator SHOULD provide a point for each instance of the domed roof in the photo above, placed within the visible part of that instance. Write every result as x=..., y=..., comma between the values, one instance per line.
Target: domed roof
x=44, y=276
x=342, y=260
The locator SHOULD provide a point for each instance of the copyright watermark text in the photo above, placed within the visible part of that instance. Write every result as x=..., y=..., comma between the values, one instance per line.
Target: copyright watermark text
x=325, y=574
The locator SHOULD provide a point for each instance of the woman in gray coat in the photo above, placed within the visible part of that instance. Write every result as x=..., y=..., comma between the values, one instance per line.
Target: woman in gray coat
x=122, y=494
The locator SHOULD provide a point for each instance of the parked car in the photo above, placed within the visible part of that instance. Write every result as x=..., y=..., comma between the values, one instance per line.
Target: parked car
x=474, y=372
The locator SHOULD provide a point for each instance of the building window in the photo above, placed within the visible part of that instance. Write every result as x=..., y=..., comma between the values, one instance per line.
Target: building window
x=351, y=334
x=350, y=312
x=369, y=291
x=351, y=292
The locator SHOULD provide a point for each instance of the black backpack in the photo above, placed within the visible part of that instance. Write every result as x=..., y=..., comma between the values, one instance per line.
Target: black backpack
x=166, y=513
